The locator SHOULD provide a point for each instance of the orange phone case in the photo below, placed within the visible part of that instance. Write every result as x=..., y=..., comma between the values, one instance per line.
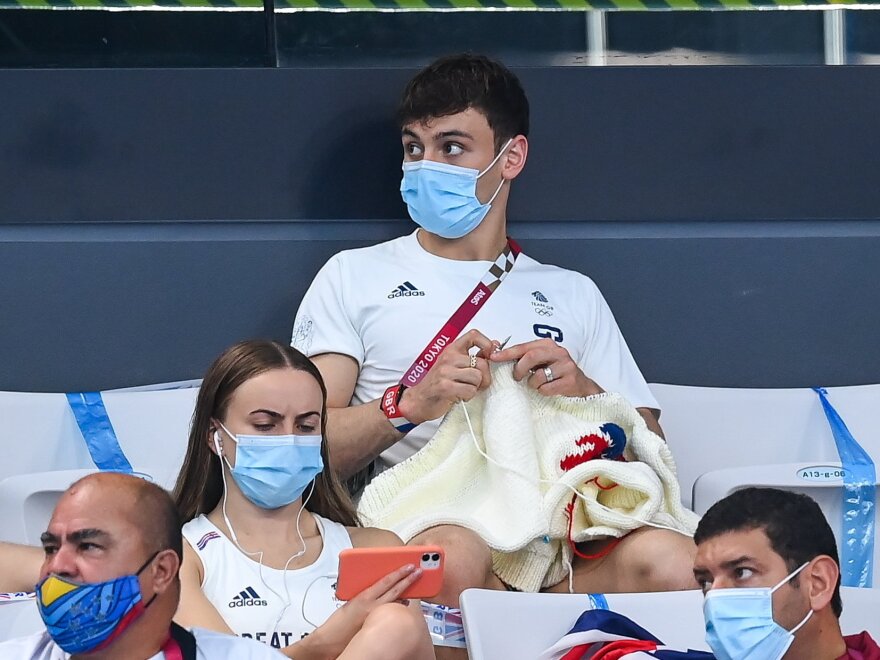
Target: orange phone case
x=360, y=568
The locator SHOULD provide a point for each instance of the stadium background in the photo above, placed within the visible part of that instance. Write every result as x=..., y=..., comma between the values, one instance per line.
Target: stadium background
x=171, y=177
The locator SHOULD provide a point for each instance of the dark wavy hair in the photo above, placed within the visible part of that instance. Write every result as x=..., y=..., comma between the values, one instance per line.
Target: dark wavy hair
x=199, y=486
x=455, y=83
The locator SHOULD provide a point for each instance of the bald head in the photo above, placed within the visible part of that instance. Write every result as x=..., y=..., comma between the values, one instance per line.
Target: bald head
x=108, y=526
x=148, y=507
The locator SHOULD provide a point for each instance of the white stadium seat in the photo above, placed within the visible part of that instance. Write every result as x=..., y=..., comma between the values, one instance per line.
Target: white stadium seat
x=711, y=428
x=826, y=490
x=43, y=450
x=19, y=618
x=520, y=626
x=727, y=439
x=38, y=432
x=27, y=501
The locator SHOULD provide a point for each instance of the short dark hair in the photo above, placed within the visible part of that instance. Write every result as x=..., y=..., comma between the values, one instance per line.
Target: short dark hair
x=159, y=519
x=455, y=83
x=794, y=524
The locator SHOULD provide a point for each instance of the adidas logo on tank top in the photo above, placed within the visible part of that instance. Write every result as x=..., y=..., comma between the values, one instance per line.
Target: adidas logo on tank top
x=247, y=598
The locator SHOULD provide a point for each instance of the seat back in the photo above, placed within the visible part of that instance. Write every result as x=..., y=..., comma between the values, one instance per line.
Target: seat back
x=38, y=432
x=823, y=482
x=503, y=624
x=19, y=618
x=711, y=428
x=861, y=611
x=27, y=502
x=520, y=626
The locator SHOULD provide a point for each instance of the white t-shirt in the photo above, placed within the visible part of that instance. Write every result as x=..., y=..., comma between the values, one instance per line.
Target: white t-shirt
x=382, y=304
x=251, y=598
x=210, y=645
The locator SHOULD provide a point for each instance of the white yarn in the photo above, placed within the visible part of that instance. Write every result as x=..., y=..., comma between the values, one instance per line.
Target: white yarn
x=494, y=466
x=554, y=482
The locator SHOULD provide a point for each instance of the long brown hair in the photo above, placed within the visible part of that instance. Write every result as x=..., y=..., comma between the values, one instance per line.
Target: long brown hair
x=199, y=485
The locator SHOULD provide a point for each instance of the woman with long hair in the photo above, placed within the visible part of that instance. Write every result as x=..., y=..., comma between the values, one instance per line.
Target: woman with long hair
x=268, y=517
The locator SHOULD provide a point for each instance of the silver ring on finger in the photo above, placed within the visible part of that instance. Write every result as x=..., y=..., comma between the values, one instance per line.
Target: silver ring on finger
x=548, y=374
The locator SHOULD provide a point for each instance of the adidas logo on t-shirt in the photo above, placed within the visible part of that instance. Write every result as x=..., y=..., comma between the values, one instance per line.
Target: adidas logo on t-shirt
x=405, y=289
x=247, y=598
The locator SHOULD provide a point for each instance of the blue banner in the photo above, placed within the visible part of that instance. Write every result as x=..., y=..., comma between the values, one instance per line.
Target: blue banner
x=859, y=502
x=97, y=431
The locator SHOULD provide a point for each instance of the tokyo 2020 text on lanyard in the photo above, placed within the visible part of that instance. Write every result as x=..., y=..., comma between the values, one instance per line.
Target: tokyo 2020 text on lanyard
x=463, y=315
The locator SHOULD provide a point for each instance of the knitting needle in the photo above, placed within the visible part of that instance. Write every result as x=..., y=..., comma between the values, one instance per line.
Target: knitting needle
x=497, y=348
x=503, y=344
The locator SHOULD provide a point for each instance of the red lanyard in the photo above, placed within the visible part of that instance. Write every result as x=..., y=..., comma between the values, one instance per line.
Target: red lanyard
x=172, y=650
x=463, y=315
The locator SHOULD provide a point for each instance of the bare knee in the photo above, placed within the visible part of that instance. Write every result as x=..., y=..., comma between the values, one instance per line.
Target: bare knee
x=400, y=630
x=468, y=560
x=662, y=560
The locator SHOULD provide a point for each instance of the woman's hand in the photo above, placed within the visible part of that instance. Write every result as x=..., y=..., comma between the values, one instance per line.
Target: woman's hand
x=330, y=639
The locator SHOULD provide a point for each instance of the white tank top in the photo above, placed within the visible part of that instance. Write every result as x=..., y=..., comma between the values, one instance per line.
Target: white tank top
x=251, y=599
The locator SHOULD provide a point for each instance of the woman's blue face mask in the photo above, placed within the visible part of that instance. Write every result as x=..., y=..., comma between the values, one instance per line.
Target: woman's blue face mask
x=273, y=470
x=442, y=198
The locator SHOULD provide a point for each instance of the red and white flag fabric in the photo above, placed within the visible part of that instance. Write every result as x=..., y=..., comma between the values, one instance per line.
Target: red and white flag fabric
x=607, y=635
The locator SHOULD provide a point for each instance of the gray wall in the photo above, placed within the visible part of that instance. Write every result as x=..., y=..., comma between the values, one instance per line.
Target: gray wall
x=148, y=218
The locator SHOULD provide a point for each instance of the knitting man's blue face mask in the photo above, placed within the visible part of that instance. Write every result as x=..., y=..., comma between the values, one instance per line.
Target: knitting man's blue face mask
x=740, y=624
x=82, y=617
x=442, y=198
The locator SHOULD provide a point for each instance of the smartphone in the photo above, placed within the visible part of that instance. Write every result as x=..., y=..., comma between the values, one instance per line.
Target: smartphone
x=360, y=568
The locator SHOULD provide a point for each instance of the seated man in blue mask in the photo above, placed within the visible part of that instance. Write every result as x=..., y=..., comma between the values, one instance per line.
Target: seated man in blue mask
x=403, y=330
x=109, y=583
x=778, y=545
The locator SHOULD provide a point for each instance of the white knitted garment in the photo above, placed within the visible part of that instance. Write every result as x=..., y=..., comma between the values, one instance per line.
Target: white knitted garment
x=517, y=502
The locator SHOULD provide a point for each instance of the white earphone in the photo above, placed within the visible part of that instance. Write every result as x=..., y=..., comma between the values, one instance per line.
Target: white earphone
x=218, y=446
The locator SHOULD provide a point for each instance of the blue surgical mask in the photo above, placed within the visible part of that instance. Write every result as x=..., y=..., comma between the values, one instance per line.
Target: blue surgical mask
x=273, y=470
x=81, y=617
x=442, y=198
x=740, y=624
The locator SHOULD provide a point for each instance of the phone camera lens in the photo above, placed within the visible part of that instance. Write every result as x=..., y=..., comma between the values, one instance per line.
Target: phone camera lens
x=435, y=557
x=426, y=557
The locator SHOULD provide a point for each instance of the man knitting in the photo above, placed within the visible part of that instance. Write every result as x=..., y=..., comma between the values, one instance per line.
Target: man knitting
x=403, y=330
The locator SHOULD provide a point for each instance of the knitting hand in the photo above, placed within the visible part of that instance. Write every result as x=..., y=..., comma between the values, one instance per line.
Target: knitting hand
x=534, y=358
x=454, y=377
